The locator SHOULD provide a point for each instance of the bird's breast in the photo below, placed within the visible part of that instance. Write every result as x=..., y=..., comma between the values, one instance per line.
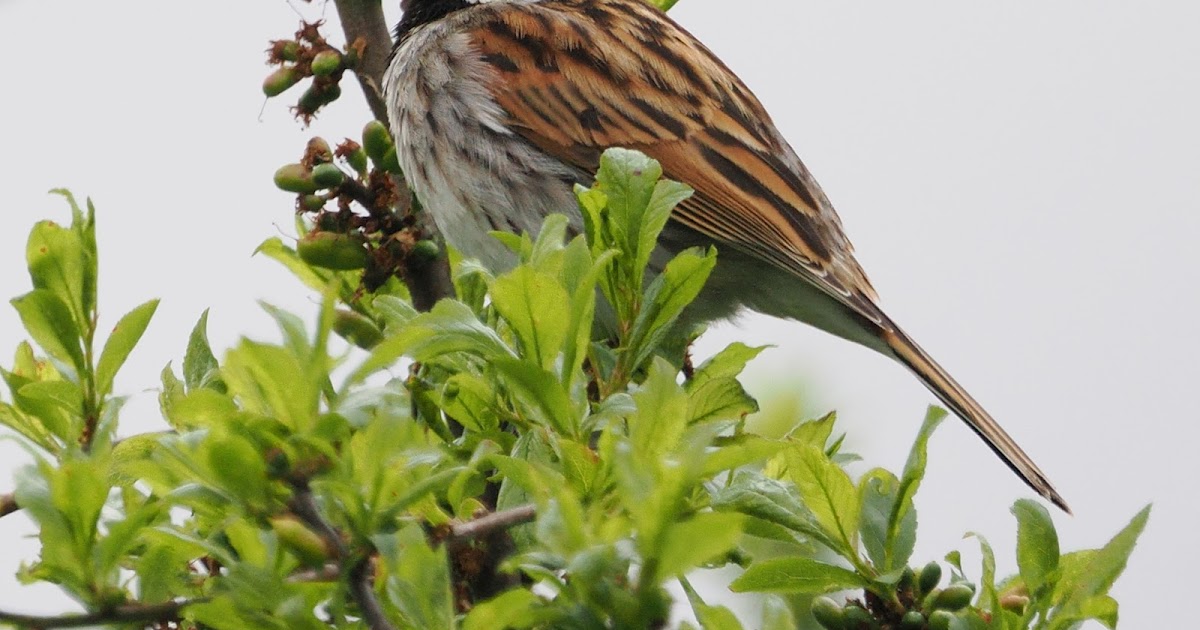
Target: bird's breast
x=468, y=169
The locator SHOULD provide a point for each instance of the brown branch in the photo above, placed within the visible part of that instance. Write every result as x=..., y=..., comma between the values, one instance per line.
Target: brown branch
x=363, y=21
x=8, y=504
x=487, y=525
x=356, y=571
x=125, y=613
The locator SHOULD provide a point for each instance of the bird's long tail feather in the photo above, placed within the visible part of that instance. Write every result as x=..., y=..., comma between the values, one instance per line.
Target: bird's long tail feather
x=963, y=405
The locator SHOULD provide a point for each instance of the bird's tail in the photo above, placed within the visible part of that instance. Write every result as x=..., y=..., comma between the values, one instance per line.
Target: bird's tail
x=963, y=405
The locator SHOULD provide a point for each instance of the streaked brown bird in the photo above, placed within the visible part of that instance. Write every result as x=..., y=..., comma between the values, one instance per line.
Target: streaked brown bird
x=500, y=106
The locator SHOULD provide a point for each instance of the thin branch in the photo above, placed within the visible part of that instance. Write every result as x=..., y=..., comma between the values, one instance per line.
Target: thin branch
x=8, y=504
x=357, y=572
x=125, y=613
x=486, y=525
x=363, y=21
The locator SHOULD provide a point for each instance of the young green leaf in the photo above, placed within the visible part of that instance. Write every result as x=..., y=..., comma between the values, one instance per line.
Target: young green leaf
x=797, y=574
x=48, y=320
x=121, y=341
x=914, y=471
x=532, y=303
x=1037, y=544
x=666, y=298
x=828, y=493
x=57, y=263
x=878, y=491
x=689, y=543
x=1085, y=596
x=199, y=363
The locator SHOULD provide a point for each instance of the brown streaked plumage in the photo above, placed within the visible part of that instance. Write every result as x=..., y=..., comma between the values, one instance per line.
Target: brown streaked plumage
x=497, y=103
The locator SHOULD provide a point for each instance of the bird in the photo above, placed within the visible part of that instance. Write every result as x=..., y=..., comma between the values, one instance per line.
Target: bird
x=499, y=107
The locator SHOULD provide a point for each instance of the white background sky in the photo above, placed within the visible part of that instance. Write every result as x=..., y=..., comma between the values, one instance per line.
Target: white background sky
x=1021, y=180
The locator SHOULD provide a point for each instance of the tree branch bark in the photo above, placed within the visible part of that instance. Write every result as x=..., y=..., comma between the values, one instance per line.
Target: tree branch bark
x=126, y=613
x=363, y=20
x=8, y=505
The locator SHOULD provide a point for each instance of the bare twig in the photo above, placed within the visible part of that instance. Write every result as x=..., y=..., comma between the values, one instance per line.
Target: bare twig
x=356, y=571
x=494, y=522
x=125, y=613
x=8, y=505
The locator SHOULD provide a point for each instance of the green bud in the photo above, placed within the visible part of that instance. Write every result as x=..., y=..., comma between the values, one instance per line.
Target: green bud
x=376, y=141
x=954, y=597
x=308, y=546
x=327, y=176
x=295, y=178
x=828, y=613
x=1014, y=603
x=312, y=203
x=391, y=162
x=288, y=50
x=330, y=250
x=358, y=161
x=425, y=250
x=940, y=620
x=857, y=618
x=908, y=579
x=326, y=63
x=279, y=81
x=929, y=578
x=357, y=329
x=912, y=620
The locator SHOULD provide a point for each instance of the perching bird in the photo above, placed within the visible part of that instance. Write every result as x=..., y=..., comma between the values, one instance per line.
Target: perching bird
x=499, y=106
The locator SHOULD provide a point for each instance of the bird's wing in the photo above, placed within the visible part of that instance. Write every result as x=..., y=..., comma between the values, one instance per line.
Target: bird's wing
x=578, y=77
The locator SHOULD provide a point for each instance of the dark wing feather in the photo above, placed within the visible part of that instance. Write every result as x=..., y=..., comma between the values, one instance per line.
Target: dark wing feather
x=651, y=86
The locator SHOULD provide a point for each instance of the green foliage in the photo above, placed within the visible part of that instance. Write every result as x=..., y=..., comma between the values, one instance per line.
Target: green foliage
x=301, y=483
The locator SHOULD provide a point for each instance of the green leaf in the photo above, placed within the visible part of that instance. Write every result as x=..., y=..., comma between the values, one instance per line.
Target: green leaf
x=238, y=466
x=710, y=617
x=815, y=433
x=719, y=399
x=317, y=279
x=879, y=490
x=1037, y=544
x=797, y=574
x=988, y=597
x=728, y=363
x=517, y=608
x=1083, y=596
x=48, y=320
x=121, y=341
x=29, y=426
x=667, y=194
x=199, y=364
x=62, y=395
x=777, y=614
x=740, y=450
x=661, y=417
x=666, y=298
x=828, y=493
x=752, y=494
x=914, y=472
x=532, y=303
x=417, y=580
x=270, y=381
x=57, y=263
x=451, y=327
x=704, y=537
x=541, y=392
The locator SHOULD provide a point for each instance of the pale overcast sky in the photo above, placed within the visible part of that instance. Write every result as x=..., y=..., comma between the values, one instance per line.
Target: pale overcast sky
x=1021, y=180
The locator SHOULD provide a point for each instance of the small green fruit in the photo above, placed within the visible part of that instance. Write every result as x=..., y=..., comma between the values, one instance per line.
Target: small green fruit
x=326, y=63
x=288, y=50
x=330, y=250
x=376, y=141
x=954, y=597
x=312, y=203
x=912, y=620
x=279, y=81
x=308, y=546
x=828, y=613
x=425, y=250
x=857, y=618
x=929, y=578
x=358, y=161
x=940, y=620
x=295, y=178
x=356, y=329
x=391, y=162
x=327, y=176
